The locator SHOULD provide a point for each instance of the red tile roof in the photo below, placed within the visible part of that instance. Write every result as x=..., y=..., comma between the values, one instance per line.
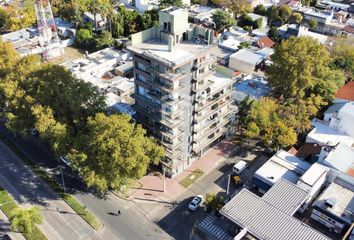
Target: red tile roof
x=265, y=42
x=348, y=29
x=346, y=92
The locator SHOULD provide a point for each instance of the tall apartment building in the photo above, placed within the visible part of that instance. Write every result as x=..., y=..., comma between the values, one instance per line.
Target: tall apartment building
x=182, y=97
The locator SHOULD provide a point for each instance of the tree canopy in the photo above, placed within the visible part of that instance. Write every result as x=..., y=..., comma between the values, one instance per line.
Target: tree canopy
x=70, y=115
x=301, y=67
x=222, y=20
x=24, y=219
x=113, y=151
x=343, y=56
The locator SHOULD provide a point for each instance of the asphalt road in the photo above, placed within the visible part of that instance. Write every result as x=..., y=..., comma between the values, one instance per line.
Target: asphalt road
x=131, y=224
x=60, y=221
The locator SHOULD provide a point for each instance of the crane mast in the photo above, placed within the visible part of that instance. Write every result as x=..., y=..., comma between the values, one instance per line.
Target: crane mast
x=48, y=36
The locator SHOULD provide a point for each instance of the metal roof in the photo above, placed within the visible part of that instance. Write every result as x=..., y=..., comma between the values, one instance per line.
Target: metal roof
x=286, y=196
x=265, y=221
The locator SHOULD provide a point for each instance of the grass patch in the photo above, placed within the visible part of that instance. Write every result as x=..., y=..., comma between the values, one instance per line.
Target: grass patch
x=70, y=200
x=191, y=178
x=81, y=210
x=9, y=205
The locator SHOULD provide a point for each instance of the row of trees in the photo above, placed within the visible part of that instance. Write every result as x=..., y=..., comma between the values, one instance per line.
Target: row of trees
x=302, y=80
x=69, y=114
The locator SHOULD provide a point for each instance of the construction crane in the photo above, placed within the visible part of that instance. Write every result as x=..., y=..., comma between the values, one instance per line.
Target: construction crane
x=48, y=36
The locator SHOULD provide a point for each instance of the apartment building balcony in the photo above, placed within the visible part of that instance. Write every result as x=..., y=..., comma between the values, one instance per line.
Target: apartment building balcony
x=206, y=131
x=201, y=76
x=198, y=117
x=213, y=119
x=208, y=60
x=172, y=135
x=171, y=123
x=197, y=147
x=208, y=100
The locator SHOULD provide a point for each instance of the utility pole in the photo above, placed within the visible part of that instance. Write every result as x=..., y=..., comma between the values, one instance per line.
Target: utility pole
x=62, y=178
x=228, y=185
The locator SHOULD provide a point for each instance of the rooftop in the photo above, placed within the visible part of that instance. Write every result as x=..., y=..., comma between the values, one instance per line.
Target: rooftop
x=313, y=174
x=325, y=135
x=282, y=165
x=248, y=56
x=253, y=86
x=340, y=194
x=346, y=92
x=285, y=196
x=182, y=52
x=265, y=221
x=341, y=158
x=334, y=108
x=308, y=149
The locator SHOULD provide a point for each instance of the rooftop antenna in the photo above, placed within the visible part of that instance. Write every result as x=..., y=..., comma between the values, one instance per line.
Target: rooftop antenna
x=48, y=36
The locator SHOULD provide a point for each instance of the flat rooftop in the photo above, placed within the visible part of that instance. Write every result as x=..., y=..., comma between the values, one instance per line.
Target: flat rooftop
x=314, y=173
x=325, y=135
x=181, y=53
x=265, y=221
x=341, y=194
x=282, y=165
x=253, y=86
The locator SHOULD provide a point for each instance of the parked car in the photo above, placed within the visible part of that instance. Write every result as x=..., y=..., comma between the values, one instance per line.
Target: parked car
x=65, y=160
x=33, y=131
x=239, y=167
x=196, y=202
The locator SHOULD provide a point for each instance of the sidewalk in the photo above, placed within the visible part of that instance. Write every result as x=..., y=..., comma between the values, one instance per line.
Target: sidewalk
x=5, y=228
x=152, y=186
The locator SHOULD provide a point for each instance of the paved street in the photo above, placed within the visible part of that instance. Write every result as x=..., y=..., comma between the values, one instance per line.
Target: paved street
x=60, y=221
x=132, y=224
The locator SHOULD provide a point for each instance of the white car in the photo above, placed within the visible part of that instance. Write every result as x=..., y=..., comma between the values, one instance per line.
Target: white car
x=64, y=160
x=195, y=203
x=239, y=167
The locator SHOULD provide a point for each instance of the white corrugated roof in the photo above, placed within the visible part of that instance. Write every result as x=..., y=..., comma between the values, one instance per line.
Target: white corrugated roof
x=265, y=221
x=286, y=196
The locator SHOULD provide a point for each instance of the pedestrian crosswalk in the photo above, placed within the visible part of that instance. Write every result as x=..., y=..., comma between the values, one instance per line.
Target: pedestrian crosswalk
x=207, y=224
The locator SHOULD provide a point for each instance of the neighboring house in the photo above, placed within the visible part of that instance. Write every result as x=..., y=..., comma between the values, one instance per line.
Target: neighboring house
x=332, y=111
x=343, y=121
x=322, y=17
x=339, y=158
x=335, y=207
x=89, y=18
x=345, y=93
x=313, y=181
x=282, y=165
x=245, y=61
x=265, y=42
x=271, y=216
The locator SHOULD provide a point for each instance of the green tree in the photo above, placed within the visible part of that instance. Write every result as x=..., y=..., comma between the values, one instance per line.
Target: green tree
x=244, y=21
x=244, y=45
x=222, y=20
x=168, y=3
x=112, y=151
x=244, y=108
x=284, y=13
x=272, y=14
x=117, y=25
x=19, y=17
x=258, y=23
x=313, y=23
x=239, y=6
x=274, y=34
x=151, y=18
x=301, y=67
x=265, y=122
x=260, y=9
x=104, y=40
x=296, y=18
x=343, y=56
x=24, y=219
x=84, y=39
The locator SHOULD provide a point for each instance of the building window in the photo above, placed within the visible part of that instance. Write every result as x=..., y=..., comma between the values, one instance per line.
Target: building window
x=141, y=66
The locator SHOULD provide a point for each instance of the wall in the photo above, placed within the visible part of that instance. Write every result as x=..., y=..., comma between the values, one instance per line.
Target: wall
x=143, y=36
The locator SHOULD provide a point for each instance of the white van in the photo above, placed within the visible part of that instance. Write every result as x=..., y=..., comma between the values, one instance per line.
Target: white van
x=239, y=167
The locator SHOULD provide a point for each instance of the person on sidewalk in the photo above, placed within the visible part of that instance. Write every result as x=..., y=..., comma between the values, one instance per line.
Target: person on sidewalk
x=118, y=213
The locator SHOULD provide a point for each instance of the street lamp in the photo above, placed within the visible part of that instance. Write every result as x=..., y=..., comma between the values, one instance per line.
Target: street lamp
x=62, y=177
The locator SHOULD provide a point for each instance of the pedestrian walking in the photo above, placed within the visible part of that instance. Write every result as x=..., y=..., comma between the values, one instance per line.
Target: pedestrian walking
x=118, y=212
